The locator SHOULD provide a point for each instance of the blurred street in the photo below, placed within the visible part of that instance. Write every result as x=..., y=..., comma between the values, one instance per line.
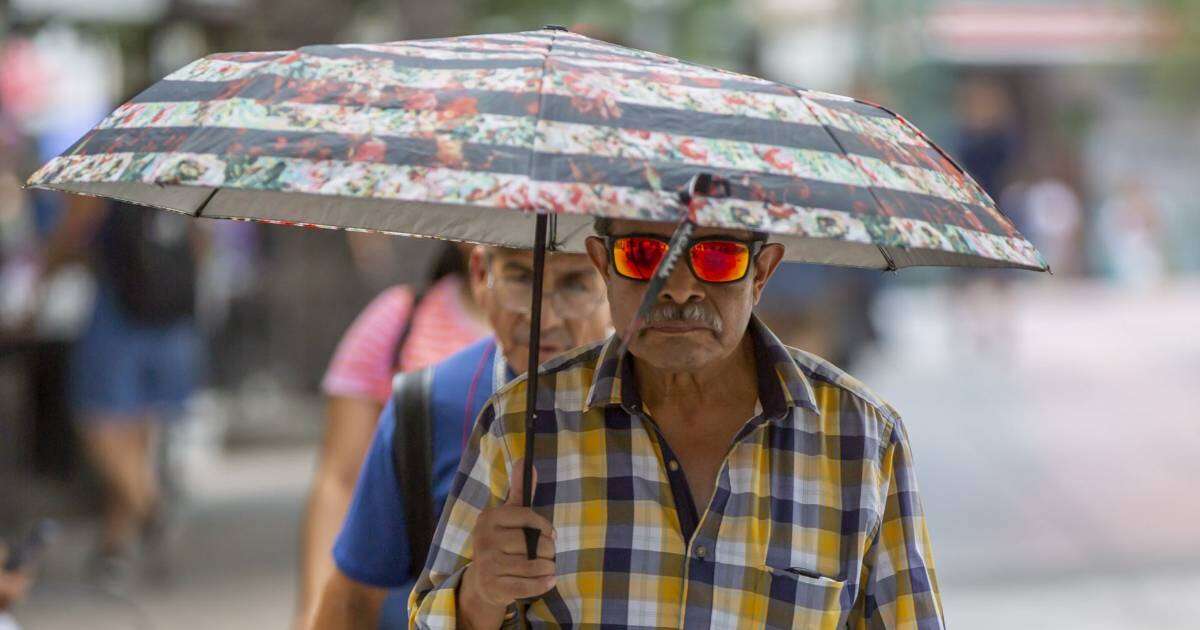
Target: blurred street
x=1081, y=513
x=1075, y=536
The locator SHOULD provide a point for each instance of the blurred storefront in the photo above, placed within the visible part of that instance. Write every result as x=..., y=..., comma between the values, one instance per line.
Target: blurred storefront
x=1081, y=73
x=1071, y=81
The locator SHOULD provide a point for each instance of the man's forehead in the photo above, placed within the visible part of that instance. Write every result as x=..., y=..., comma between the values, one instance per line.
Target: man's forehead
x=621, y=227
x=554, y=260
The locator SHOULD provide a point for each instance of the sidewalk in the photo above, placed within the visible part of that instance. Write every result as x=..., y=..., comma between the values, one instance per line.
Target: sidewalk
x=236, y=560
x=1057, y=469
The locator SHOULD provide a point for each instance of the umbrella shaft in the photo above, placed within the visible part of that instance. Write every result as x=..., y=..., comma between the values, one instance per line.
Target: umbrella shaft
x=531, y=386
x=531, y=383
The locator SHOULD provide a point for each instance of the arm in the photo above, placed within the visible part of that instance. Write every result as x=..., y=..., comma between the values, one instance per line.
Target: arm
x=477, y=566
x=72, y=236
x=13, y=586
x=899, y=582
x=359, y=374
x=348, y=604
x=349, y=427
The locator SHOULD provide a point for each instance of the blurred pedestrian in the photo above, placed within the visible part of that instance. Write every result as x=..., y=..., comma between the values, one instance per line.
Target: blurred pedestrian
x=403, y=329
x=1054, y=217
x=1131, y=235
x=13, y=585
x=381, y=547
x=988, y=134
x=988, y=139
x=134, y=366
x=825, y=310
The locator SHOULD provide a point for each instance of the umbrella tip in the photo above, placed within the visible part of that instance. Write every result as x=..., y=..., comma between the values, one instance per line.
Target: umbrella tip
x=554, y=27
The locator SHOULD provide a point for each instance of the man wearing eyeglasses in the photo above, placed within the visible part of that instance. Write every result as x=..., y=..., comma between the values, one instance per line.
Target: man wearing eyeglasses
x=421, y=432
x=710, y=477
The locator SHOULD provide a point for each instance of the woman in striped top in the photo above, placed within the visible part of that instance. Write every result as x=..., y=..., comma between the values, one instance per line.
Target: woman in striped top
x=400, y=330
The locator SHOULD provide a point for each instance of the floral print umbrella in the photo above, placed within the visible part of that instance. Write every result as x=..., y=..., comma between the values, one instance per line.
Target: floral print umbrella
x=469, y=138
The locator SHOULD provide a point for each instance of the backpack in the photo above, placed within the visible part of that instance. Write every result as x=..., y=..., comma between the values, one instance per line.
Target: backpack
x=147, y=257
x=412, y=460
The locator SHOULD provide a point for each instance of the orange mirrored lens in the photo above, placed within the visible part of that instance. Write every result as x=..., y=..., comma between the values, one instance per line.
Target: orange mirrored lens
x=720, y=261
x=636, y=257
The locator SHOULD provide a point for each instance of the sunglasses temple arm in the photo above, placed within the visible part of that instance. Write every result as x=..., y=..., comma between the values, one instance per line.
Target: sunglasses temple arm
x=675, y=249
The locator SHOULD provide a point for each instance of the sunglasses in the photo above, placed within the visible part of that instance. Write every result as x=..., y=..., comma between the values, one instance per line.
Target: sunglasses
x=714, y=260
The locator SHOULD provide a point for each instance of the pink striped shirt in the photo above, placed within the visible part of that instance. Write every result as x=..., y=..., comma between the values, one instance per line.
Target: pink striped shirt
x=364, y=362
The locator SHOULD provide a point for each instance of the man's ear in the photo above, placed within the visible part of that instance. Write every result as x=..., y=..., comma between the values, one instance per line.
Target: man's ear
x=478, y=272
x=765, y=264
x=597, y=250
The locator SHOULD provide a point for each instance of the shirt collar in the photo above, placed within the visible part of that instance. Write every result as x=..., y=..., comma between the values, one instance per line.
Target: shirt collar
x=501, y=372
x=781, y=383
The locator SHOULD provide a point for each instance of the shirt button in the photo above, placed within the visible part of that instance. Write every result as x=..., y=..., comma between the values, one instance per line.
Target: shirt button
x=701, y=551
x=673, y=465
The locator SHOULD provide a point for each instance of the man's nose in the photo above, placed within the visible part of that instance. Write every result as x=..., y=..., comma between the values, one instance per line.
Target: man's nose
x=682, y=286
x=550, y=317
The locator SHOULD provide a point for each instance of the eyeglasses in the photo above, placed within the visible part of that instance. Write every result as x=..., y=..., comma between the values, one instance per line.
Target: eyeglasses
x=715, y=260
x=574, y=296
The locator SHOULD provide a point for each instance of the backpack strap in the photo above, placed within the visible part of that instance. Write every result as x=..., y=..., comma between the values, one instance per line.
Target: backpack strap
x=406, y=331
x=412, y=458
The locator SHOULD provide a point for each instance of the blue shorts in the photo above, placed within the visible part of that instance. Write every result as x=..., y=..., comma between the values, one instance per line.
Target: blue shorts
x=124, y=369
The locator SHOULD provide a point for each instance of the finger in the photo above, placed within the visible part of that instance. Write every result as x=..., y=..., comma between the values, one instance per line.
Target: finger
x=513, y=588
x=513, y=541
x=514, y=517
x=517, y=565
x=516, y=483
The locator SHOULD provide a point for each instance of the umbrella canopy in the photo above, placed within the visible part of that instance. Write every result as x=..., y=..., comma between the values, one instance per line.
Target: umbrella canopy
x=467, y=138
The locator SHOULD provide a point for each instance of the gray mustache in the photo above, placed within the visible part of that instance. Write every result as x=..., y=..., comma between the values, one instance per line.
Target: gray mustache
x=691, y=312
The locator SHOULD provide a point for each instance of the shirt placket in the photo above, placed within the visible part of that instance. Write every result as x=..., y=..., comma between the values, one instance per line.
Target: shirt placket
x=699, y=531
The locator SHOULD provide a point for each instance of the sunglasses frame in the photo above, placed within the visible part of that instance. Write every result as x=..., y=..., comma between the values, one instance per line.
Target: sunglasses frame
x=754, y=245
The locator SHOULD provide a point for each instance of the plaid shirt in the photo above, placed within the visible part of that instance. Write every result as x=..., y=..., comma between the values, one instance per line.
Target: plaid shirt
x=815, y=521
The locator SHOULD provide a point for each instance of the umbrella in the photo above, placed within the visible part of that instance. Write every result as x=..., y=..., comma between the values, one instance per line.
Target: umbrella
x=476, y=138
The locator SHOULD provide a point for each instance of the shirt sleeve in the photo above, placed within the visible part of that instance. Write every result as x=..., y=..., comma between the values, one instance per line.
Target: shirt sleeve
x=900, y=587
x=481, y=483
x=372, y=547
x=363, y=363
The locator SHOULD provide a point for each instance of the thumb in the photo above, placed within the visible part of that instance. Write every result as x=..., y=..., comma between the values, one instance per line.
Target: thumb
x=516, y=482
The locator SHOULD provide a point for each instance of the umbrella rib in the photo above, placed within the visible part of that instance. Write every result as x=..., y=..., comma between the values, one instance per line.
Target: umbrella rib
x=891, y=266
x=537, y=122
x=207, y=199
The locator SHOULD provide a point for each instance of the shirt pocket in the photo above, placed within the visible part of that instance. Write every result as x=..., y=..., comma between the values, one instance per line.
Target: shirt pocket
x=798, y=597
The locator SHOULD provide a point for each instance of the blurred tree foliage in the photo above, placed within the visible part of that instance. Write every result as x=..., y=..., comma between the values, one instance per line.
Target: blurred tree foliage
x=713, y=32
x=1177, y=73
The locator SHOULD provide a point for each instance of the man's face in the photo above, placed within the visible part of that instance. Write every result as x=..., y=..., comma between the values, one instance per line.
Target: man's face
x=693, y=323
x=573, y=303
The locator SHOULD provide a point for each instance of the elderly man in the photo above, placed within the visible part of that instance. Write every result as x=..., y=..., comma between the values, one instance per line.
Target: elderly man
x=711, y=477
x=376, y=548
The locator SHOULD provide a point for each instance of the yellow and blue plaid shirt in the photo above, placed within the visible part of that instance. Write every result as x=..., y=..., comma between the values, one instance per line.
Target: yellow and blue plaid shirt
x=815, y=521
